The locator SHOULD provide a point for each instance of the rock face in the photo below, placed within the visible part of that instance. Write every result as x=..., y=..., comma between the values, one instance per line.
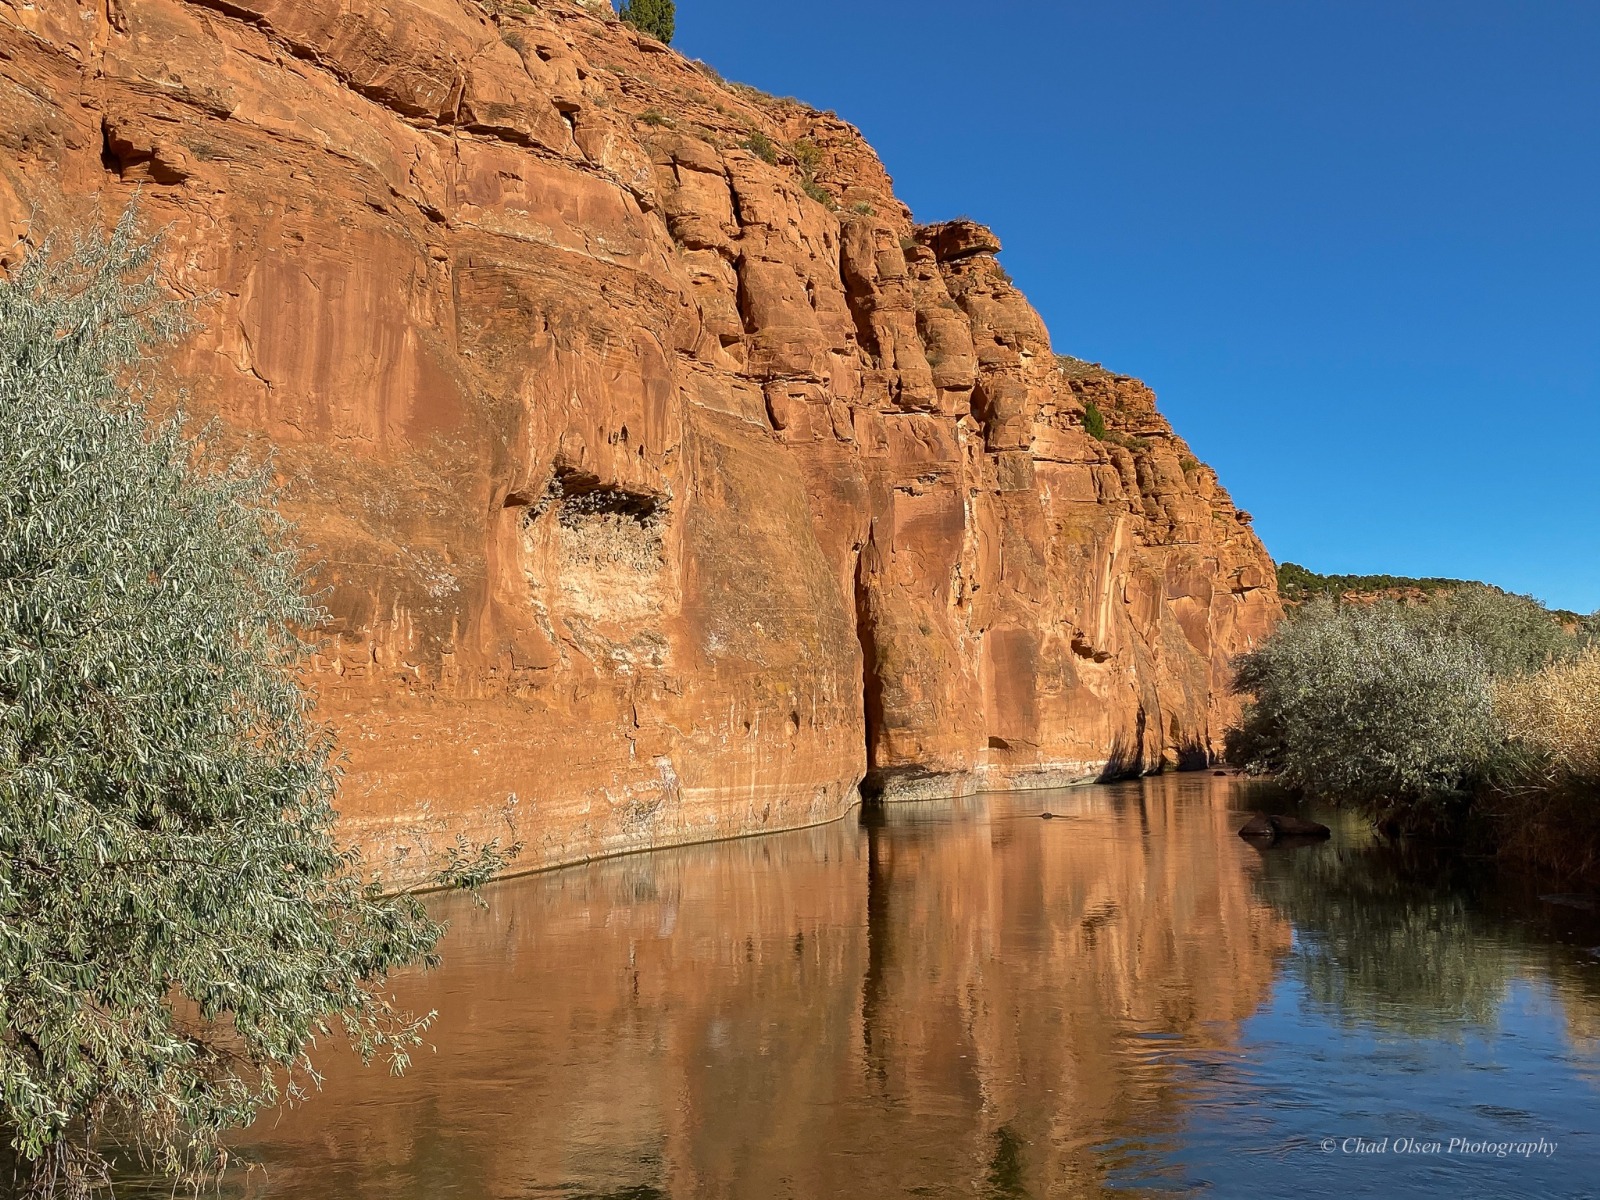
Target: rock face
x=666, y=480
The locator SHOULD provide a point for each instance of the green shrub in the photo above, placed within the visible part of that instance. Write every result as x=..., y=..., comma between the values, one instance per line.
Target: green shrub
x=653, y=116
x=1094, y=421
x=1515, y=634
x=819, y=193
x=807, y=154
x=1391, y=706
x=761, y=146
x=1364, y=704
x=177, y=922
x=1472, y=712
x=658, y=18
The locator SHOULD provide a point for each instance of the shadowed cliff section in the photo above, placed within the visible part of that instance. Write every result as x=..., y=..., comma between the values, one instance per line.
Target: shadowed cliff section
x=663, y=473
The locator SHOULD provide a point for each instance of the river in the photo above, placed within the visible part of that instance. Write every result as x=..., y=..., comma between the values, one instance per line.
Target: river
x=963, y=999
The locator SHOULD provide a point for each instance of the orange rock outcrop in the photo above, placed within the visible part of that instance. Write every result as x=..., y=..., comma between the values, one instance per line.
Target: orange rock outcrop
x=666, y=479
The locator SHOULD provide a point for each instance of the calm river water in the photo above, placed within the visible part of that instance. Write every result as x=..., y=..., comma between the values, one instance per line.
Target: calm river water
x=962, y=999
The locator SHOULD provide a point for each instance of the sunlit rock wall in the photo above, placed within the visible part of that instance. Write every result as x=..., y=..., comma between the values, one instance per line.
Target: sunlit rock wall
x=666, y=479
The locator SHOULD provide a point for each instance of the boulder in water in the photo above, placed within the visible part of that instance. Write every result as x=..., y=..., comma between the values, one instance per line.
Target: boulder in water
x=1269, y=827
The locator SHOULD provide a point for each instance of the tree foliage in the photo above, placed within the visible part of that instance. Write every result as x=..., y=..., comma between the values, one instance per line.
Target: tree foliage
x=658, y=18
x=1297, y=583
x=177, y=922
x=1361, y=704
x=1391, y=706
x=1515, y=634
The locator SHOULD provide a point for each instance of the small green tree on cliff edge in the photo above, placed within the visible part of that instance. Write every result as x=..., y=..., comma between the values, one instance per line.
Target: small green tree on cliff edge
x=658, y=18
x=177, y=922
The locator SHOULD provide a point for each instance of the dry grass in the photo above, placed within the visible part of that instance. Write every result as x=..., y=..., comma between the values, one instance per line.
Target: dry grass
x=1546, y=810
x=1556, y=712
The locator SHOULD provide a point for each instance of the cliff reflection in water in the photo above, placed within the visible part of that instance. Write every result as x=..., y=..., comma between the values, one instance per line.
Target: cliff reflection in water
x=954, y=996
x=946, y=999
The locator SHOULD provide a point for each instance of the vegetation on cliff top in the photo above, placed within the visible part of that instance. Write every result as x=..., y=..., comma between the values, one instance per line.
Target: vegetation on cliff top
x=658, y=18
x=1296, y=584
x=177, y=923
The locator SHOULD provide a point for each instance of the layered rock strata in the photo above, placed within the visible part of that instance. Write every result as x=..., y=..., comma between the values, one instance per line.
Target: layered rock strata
x=666, y=480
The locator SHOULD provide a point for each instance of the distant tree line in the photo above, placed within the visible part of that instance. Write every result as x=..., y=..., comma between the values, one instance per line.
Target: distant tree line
x=1296, y=583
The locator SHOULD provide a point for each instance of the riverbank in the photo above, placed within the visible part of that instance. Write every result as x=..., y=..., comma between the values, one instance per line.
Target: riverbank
x=935, y=790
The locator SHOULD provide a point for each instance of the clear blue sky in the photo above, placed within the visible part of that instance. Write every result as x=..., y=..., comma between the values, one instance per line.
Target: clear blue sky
x=1354, y=245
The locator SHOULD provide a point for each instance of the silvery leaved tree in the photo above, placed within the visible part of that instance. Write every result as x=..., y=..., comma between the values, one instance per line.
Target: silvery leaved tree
x=1386, y=708
x=177, y=922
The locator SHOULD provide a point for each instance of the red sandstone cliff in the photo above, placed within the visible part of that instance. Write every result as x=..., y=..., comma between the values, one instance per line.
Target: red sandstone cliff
x=666, y=477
